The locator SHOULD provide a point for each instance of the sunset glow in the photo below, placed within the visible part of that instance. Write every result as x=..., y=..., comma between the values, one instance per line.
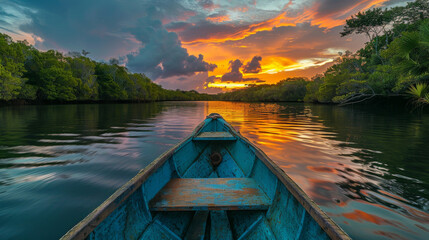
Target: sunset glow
x=175, y=43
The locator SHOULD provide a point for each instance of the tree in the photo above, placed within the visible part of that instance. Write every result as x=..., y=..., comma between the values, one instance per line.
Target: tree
x=11, y=67
x=84, y=69
x=9, y=84
x=371, y=23
x=414, y=12
x=85, y=53
x=413, y=47
x=57, y=83
x=312, y=88
x=108, y=88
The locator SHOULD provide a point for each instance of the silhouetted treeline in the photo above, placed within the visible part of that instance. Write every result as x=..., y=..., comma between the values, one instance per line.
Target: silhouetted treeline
x=291, y=89
x=29, y=74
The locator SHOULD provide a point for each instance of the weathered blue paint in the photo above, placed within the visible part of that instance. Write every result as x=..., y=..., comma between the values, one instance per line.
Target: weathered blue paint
x=200, y=168
x=243, y=155
x=197, y=229
x=220, y=227
x=228, y=168
x=214, y=136
x=244, y=222
x=184, y=195
x=174, y=223
x=262, y=174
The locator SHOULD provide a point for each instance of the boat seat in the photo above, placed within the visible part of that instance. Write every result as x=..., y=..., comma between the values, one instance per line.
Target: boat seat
x=214, y=136
x=194, y=194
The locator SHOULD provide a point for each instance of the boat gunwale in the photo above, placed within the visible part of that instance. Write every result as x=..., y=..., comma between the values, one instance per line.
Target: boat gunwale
x=325, y=222
x=82, y=229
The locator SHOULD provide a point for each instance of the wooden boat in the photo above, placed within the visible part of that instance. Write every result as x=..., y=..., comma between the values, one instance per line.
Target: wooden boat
x=215, y=184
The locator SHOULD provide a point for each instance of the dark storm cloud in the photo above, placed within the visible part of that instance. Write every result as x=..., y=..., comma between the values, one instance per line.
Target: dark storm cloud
x=162, y=54
x=254, y=66
x=234, y=74
x=177, y=26
x=206, y=4
x=327, y=7
x=344, y=8
x=194, y=82
x=112, y=28
x=204, y=29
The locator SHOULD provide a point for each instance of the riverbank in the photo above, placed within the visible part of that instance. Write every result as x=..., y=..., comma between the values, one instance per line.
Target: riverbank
x=400, y=101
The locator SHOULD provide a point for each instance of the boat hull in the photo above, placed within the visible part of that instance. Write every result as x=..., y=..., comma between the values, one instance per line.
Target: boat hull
x=215, y=184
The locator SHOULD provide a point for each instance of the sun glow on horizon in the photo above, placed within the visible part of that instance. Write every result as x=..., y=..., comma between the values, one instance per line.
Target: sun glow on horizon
x=229, y=85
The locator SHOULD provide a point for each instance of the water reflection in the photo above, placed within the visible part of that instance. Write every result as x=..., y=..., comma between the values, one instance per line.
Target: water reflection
x=358, y=164
x=367, y=168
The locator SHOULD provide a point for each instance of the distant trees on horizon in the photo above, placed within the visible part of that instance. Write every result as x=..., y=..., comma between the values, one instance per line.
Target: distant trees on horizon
x=394, y=61
x=29, y=74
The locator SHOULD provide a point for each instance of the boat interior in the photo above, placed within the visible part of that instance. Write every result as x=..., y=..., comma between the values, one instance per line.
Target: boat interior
x=214, y=186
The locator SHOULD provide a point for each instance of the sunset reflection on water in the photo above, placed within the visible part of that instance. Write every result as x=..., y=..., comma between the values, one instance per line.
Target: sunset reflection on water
x=366, y=167
x=347, y=180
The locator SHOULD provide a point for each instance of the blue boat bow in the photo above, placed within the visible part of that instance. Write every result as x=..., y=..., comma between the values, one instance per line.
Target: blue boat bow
x=215, y=184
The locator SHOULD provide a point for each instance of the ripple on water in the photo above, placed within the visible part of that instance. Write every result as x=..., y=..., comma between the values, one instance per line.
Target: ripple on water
x=366, y=168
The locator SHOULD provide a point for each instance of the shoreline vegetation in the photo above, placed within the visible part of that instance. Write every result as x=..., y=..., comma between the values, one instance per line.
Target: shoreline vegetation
x=393, y=63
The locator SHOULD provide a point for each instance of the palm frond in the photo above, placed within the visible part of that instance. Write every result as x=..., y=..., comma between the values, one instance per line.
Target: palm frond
x=424, y=34
x=426, y=98
x=408, y=42
x=419, y=90
x=408, y=65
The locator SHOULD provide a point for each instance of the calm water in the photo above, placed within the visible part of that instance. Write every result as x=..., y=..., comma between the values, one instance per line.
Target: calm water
x=367, y=168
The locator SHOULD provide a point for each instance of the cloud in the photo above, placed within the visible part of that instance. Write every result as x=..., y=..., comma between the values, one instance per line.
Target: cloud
x=324, y=14
x=196, y=82
x=234, y=75
x=254, y=66
x=207, y=4
x=162, y=54
x=177, y=26
x=164, y=39
x=114, y=29
x=218, y=18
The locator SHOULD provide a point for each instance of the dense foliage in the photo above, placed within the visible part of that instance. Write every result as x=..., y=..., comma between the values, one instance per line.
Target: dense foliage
x=393, y=61
x=29, y=74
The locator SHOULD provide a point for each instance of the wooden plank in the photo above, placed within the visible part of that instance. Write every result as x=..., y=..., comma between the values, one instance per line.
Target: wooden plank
x=192, y=194
x=214, y=136
x=197, y=229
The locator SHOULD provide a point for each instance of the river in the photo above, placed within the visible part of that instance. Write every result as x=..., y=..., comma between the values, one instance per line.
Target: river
x=367, y=167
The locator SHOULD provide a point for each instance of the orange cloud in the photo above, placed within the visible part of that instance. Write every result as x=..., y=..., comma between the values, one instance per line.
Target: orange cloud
x=241, y=9
x=283, y=19
x=218, y=19
x=279, y=21
x=337, y=18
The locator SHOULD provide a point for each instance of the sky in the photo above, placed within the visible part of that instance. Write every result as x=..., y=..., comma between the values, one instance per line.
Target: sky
x=206, y=45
